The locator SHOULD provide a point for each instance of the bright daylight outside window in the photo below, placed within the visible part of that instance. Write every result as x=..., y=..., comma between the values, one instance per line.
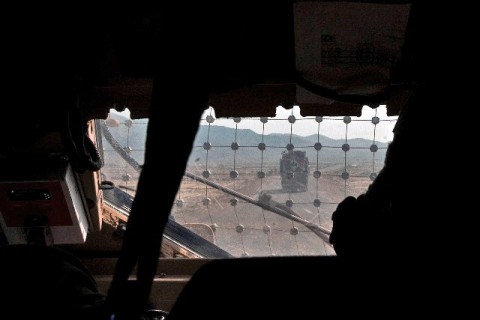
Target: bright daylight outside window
x=259, y=186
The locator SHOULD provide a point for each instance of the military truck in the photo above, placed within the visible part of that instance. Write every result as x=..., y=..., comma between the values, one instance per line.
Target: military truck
x=294, y=170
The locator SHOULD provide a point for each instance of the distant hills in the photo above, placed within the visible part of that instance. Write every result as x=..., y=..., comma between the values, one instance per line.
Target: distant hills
x=248, y=154
x=221, y=139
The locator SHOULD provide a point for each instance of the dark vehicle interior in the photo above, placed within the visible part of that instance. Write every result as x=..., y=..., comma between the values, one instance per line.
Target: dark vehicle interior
x=66, y=67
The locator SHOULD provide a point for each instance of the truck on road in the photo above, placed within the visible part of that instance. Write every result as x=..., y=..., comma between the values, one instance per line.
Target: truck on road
x=294, y=170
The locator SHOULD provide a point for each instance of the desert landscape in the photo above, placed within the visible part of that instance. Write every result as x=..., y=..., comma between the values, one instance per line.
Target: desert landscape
x=237, y=226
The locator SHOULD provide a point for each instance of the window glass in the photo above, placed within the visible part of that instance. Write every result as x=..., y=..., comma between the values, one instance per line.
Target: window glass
x=260, y=186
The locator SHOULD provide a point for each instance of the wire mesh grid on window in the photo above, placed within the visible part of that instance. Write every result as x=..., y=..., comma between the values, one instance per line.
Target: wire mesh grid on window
x=305, y=165
x=125, y=135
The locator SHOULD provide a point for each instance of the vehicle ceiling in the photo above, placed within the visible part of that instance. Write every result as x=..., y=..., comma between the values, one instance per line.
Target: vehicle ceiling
x=110, y=56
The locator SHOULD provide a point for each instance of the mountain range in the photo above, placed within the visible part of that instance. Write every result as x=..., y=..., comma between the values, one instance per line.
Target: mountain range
x=221, y=139
x=248, y=153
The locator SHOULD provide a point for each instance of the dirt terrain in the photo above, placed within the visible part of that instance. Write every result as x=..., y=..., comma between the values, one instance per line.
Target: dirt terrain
x=246, y=228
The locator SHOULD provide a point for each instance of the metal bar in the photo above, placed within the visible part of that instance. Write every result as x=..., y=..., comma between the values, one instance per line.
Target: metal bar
x=318, y=230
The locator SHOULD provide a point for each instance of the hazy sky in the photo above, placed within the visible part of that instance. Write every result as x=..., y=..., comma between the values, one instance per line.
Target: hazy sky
x=332, y=127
